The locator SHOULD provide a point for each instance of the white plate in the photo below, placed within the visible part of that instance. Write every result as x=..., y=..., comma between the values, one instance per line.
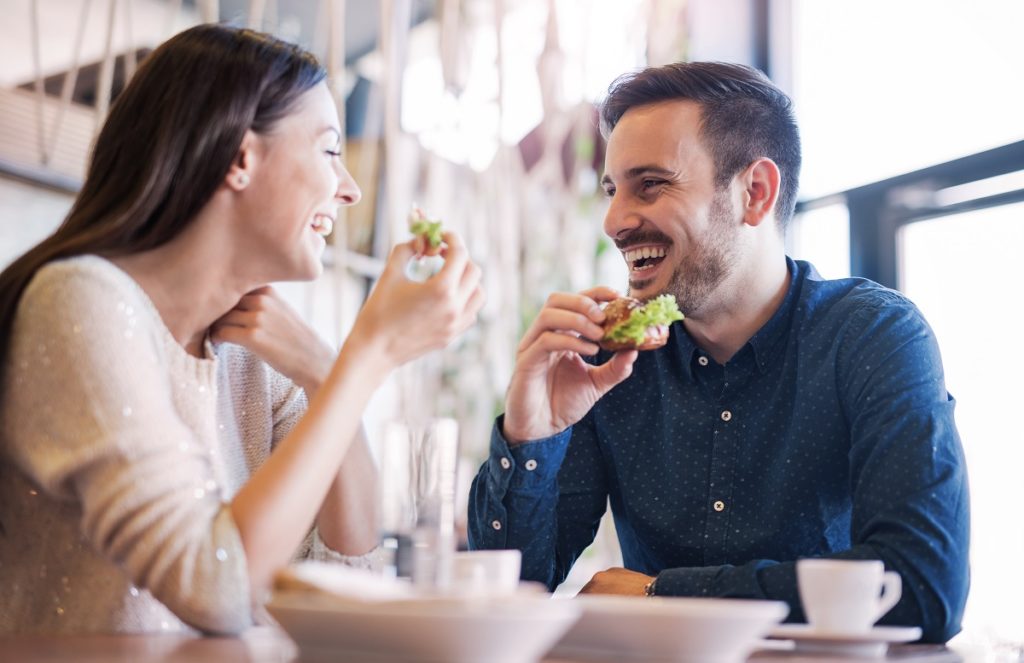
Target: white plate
x=698, y=630
x=869, y=644
x=507, y=629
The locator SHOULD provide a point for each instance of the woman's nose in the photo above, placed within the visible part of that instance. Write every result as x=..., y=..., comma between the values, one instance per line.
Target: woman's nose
x=348, y=192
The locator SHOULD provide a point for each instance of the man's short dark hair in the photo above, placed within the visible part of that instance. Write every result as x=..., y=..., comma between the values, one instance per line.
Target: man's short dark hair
x=744, y=117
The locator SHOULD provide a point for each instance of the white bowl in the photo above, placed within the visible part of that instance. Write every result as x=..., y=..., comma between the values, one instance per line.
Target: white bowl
x=507, y=629
x=690, y=630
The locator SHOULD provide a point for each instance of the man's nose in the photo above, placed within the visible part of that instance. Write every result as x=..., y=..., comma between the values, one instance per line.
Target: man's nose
x=620, y=220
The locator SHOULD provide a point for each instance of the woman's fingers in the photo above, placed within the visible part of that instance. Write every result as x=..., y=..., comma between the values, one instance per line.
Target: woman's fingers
x=455, y=259
x=469, y=282
x=399, y=257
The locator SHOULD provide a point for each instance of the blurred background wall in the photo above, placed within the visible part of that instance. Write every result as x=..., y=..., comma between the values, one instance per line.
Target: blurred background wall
x=482, y=112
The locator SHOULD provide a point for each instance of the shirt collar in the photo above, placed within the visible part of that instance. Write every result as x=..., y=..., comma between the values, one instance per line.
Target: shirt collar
x=763, y=342
x=766, y=340
x=685, y=348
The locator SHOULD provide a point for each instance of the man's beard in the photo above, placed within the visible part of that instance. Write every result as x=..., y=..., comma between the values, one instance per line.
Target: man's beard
x=709, y=261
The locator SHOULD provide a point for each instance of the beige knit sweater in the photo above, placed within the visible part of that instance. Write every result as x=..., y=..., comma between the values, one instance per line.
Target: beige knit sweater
x=119, y=453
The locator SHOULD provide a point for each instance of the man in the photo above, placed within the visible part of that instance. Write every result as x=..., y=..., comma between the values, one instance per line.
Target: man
x=788, y=416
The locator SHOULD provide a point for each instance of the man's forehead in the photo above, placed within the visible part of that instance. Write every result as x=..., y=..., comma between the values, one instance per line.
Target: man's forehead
x=676, y=115
x=665, y=135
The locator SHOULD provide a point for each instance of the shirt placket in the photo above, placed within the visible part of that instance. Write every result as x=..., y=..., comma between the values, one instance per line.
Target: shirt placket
x=720, y=476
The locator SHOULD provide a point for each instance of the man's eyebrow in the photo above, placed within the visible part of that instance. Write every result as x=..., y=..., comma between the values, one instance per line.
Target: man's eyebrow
x=638, y=171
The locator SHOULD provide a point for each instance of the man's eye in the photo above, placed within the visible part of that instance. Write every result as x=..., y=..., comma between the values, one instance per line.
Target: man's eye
x=609, y=192
x=649, y=184
x=334, y=153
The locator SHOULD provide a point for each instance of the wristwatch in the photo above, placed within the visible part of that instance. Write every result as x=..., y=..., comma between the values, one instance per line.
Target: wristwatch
x=649, y=587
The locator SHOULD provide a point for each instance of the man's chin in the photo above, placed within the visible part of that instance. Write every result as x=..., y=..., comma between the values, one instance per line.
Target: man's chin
x=643, y=289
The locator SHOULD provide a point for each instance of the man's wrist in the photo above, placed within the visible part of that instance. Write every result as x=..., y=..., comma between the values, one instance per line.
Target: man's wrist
x=650, y=589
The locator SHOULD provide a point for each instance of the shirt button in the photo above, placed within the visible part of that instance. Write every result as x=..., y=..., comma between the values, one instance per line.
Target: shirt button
x=719, y=505
x=506, y=463
x=702, y=360
x=496, y=524
x=531, y=465
x=726, y=415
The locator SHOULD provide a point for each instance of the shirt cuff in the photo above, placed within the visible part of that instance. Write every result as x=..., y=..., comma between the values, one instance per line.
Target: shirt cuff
x=687, y=581
x=527, y=465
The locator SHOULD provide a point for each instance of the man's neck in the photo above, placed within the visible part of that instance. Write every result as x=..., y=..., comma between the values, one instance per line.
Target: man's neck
x=746, y=303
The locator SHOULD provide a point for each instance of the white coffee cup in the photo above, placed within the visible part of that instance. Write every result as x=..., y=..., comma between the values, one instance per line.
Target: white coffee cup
x=486, y=571
x=846, y=596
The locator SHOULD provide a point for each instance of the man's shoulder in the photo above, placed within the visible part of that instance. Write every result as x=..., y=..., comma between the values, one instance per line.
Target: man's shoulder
x=847, y=298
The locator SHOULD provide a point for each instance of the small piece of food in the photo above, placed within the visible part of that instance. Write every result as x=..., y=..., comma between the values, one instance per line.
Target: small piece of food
x=633, y=325
x=428, y=233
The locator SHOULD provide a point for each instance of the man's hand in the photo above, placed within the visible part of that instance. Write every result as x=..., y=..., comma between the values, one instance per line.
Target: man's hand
x=263, y=322
x=617, y=581
x=552, y=387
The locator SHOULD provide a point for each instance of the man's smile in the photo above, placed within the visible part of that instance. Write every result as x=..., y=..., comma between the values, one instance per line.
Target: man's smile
x=643, y=260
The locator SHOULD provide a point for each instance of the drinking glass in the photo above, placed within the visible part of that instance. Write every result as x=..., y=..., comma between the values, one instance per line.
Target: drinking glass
x=417, y=480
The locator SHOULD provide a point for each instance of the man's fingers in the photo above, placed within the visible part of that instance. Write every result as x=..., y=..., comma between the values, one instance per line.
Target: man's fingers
x=551, y=341
x=613, y=371
x=601, y=293
x=554, y=319
x=581, y=303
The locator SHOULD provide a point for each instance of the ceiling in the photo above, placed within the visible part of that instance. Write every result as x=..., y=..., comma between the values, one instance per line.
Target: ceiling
x=142, y=24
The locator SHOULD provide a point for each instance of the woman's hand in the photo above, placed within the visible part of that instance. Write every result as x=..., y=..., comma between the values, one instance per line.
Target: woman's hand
x=263, y=322
x=404, y=319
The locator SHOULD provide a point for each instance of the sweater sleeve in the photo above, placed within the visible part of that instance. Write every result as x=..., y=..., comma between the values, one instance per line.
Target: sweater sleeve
x=289, y=405
x=92, y=419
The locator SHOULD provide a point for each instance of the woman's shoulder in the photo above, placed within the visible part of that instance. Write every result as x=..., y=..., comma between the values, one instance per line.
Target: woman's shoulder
x=85, y=279
x=84, y=300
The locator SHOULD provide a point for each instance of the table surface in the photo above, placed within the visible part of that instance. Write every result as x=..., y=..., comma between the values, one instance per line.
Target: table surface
x=271, y=645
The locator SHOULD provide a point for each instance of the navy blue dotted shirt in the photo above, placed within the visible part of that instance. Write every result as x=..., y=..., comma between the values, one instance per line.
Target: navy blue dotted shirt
x=830, y=433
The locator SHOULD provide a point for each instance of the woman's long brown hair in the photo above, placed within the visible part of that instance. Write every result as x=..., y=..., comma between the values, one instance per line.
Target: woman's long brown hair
x=167, y=144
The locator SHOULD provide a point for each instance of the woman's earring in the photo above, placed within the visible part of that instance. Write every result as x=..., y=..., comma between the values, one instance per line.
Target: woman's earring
x=242, y=180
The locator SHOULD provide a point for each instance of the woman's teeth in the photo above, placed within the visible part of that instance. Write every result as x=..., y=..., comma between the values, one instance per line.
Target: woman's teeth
x=645, y=257
x=323, y=225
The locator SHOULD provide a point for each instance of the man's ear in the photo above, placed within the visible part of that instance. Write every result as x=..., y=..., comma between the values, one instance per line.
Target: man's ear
x=761, y=181
x=239, y=175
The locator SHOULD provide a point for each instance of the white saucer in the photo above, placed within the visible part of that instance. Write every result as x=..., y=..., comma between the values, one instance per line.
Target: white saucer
x=868, y=644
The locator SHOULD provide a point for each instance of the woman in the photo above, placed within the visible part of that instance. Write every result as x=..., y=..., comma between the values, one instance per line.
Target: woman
x=147, y=370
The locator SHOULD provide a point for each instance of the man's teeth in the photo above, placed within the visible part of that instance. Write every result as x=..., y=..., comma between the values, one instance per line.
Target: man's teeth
x=633, y=255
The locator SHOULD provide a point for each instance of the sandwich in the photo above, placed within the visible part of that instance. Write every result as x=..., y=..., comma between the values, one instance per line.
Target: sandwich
x=633, y=325
x=428, y=233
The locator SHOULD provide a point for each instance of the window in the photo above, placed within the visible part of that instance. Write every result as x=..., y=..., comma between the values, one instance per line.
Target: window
x=963, y=271
x=886, y=87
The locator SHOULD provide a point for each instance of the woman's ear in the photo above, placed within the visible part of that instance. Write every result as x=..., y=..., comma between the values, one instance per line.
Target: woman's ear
x=239, y=175
x=761, y=181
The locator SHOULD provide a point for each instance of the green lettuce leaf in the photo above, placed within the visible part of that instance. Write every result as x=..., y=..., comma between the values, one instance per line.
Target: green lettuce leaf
x=432, y=230
x=661, y=310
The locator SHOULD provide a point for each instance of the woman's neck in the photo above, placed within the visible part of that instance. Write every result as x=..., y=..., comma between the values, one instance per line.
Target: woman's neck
x=189, y=280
